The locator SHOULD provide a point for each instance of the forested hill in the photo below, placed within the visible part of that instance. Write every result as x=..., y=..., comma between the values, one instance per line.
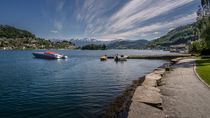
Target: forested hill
x=180, y=35
x=138, y=44
x=12, y=38
x=12, y=32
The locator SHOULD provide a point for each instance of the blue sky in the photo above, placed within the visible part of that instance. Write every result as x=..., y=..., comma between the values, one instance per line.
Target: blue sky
x=100, y=19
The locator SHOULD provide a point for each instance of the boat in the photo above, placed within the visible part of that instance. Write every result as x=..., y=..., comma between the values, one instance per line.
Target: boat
x=49, y=55
x=120, y=58
x=103, y=58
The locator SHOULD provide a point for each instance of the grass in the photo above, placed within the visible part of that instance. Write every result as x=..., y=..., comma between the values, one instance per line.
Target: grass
x=203, y=69
x=169, y=71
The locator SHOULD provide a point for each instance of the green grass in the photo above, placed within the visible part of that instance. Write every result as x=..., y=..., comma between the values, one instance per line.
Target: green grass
x=168, y=72
x=203, y=69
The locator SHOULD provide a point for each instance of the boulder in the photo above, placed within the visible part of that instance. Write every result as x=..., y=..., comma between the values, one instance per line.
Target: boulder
x=145, y=94
x=160, y=71
x=149, y=82
x=141, y=110
x=153, y=76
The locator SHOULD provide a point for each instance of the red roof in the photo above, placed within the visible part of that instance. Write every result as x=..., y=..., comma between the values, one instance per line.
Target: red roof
x=50, y=52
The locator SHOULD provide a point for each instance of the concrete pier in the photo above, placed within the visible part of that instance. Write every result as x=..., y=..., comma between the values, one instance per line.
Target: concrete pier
x=172, y=56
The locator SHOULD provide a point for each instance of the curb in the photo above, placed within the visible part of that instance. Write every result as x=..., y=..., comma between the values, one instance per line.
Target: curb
x=194, y=68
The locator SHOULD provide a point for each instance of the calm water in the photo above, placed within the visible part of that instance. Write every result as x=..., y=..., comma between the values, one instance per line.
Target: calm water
x=79, y=87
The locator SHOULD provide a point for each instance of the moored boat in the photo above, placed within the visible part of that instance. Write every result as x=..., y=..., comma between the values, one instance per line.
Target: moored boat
x=120, y=58
x=49, y=55
x=103, y=58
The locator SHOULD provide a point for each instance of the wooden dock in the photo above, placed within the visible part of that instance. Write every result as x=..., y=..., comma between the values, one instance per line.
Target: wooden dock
x=172, y=56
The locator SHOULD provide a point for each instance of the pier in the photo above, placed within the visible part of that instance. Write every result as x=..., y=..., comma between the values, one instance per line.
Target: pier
x=171, y=56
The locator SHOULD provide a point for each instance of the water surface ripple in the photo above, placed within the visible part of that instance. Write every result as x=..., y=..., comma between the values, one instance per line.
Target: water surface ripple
x=79, y=87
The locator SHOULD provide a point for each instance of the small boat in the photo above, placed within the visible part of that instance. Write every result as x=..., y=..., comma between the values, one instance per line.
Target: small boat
x=49, y=55
x=103, y=58
x=120, y=58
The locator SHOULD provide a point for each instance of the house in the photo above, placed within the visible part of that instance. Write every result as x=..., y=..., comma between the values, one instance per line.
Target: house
x=178, y=48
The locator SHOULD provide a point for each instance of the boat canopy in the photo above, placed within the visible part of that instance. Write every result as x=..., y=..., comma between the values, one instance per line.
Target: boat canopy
x=49, y=52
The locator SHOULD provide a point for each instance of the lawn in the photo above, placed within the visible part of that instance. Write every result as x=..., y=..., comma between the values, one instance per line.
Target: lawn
x=203, y=69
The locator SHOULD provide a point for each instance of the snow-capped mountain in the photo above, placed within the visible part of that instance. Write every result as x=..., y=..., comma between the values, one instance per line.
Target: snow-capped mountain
x=86, y=41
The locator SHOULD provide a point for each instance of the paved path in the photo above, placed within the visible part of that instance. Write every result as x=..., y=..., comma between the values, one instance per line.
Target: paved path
x=184, y=95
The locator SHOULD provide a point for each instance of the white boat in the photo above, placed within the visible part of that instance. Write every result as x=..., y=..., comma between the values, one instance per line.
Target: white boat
x=120, y=58
x=49, y=55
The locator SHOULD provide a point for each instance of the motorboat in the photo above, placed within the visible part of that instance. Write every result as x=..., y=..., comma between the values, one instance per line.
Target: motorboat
x=49, y=55
x=120, y=58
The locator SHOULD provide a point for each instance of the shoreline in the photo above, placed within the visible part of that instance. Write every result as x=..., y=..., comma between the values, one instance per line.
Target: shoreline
x=120, y=106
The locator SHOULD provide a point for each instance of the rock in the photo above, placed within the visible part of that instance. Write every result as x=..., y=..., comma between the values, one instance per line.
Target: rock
x=149, y=82
x=174, y=61
x=147, y=94
x=160, y=71
x=153, y=79
x=153, y=76
x=141, y=110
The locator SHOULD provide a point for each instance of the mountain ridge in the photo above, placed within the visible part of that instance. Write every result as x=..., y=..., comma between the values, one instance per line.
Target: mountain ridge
x=180, y=35
x=128, y=44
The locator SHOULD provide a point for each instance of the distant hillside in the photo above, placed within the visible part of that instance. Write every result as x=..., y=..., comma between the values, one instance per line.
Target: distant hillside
x=128, y=44
x=94, y=47
x=12, y=32
x=180, y=35
x=87, y=41
x=12, y=38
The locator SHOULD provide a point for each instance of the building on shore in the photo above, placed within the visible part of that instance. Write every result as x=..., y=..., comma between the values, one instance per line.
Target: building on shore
x=178, y=48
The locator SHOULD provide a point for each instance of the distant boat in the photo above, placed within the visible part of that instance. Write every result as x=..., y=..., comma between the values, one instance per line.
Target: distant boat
x=120, y=58
x=49, y=55
x=103, y=58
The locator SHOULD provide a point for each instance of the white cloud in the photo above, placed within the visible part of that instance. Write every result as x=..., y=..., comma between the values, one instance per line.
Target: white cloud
x=58, y=25
x=154, y=27
x=171, y=29
x=60, y=5
x=156, y=33
x=56, y=13
x=129, y=20
x=105, y=19
x=144, y=34
x=54, y=31
x=135, y=13
x=92, y=14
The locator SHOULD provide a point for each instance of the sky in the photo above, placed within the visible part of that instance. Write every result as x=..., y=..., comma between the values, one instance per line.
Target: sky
x=99, y=19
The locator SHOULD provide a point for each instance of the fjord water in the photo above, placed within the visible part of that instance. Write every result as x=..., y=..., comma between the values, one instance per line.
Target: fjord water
x=78, y=87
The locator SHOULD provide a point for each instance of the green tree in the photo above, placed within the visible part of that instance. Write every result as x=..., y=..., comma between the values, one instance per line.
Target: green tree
x=202, y=29
x=205, y=3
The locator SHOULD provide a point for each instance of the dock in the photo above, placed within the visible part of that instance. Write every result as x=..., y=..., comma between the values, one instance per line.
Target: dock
x=171, y=56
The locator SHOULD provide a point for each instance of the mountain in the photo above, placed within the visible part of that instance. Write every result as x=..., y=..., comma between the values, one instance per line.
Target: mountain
x=180, y=35
x=86, y=41
x=128, y=44
x=12, y=32
x=13, y=38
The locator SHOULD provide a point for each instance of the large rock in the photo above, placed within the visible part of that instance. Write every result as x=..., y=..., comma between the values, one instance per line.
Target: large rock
x=153, y=76
x=145, y=94
x=152, y=79
x=160, y=71
x=141, y=110
x=150, y=83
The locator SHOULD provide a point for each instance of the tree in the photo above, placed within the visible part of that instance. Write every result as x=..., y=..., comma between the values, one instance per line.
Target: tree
x=205, y=4
x=202, y=29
